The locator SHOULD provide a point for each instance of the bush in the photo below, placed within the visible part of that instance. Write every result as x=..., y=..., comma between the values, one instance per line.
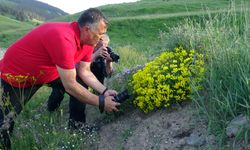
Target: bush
x=168, y=79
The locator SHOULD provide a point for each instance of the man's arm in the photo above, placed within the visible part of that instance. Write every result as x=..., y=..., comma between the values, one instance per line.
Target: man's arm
x=109, y=66
x=68, y=77
x=88, y=77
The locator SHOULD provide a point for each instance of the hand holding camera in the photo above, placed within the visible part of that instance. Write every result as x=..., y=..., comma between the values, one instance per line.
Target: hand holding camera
x=108, y=54
x=102, y=53
x=110, y=103
x=121, y=97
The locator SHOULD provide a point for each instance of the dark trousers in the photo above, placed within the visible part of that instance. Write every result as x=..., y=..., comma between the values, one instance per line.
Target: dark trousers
x=99, y=70
x=76, y=108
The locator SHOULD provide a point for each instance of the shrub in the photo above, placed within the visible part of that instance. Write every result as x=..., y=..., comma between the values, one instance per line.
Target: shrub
x=167, y=79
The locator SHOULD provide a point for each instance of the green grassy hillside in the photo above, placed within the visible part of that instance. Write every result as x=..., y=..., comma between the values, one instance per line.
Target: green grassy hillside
x=162, y=7
x=140, y=28
x=145, y=20
x=143, y=24
x=148, y=7
x=11, y=29
x=140, y=24
x=29, y=9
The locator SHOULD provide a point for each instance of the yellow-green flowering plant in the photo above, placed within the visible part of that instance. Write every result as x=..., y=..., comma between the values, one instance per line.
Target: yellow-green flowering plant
x=168, y=79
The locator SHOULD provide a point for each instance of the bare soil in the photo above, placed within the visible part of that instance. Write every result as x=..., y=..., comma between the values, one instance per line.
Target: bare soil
x=175, y=128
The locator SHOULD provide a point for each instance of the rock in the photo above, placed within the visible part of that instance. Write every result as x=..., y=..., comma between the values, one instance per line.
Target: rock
x=211, y=139
x=182, y=142
x=196, y=139
x=183, y=132
x=188, y=147
x=236, y=124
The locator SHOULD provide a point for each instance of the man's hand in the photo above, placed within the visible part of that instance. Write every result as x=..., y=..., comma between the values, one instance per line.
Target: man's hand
x=110, y=105
x=102, y=52
x=109, y=59
x=110, y=93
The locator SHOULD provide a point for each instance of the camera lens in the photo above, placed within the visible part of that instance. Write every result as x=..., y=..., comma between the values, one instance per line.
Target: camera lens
x=121, y=97
x=113, y=55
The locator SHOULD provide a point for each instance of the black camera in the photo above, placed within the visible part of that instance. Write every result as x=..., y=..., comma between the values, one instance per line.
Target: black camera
x=121, y=97
x=115, y=57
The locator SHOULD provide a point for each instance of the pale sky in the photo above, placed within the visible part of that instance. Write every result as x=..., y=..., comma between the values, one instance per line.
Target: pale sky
x=74, y=6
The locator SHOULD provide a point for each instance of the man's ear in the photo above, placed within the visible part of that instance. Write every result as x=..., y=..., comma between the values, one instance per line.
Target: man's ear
x=85, y=28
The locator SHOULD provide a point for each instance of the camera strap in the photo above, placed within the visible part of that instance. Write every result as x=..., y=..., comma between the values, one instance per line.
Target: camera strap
x=101, y=103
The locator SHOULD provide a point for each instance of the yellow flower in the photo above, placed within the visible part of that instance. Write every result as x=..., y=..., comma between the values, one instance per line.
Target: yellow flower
x=167, y=79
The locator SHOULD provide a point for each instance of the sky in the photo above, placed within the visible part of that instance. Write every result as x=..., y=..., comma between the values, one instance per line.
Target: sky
x=74, y=6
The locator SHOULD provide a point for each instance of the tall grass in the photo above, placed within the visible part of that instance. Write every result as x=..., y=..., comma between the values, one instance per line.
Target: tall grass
x=225, y=41
x=130, y=57
x=40, y=129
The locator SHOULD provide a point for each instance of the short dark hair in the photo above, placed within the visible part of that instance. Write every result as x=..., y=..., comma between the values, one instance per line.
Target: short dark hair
x=91, y=16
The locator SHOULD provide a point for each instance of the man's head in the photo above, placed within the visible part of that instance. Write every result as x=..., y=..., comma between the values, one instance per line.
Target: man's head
x=93, y=25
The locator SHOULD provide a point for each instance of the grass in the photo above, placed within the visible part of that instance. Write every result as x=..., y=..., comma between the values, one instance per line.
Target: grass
x=11, y=30
x=40, y=129
x=142, y=25
x=140, y=34
x=224, y=40
x=130, y=57
x=147, y=7
x=133, y=28
x=144, y=7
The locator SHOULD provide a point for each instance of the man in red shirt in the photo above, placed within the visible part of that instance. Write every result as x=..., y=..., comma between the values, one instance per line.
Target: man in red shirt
x=47, y=55
x=101, y=66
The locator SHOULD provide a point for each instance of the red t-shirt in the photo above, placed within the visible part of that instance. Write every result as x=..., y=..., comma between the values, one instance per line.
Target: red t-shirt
x=33, y=58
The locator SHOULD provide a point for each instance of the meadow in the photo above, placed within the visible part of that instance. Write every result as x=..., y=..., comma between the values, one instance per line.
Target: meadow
x=220, y=30
x=11, y=30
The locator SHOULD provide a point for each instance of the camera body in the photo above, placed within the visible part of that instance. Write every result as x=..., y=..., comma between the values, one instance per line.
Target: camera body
x=122, y=96
x=115, y=57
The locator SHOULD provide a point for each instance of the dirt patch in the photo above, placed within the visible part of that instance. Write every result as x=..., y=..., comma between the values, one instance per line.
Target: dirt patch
x=167, y=129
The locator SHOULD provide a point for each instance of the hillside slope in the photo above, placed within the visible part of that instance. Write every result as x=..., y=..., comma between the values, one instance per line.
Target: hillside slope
x=148, y=7
x=153, y=16
x=11, y=29
x=29, y=9
x=129, y=21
